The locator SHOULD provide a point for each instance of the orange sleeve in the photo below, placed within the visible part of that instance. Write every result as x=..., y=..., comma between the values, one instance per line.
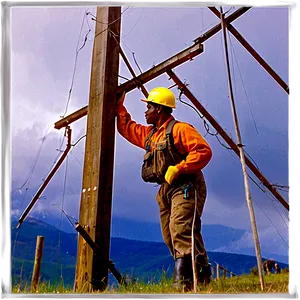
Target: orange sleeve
x=129, y=129
x=190, y=142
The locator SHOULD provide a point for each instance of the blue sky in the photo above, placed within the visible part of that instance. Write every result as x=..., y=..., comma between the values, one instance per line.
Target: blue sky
x=43, y=47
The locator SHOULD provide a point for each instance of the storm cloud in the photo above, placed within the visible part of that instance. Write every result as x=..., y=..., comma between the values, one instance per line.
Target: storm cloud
x=43, y=53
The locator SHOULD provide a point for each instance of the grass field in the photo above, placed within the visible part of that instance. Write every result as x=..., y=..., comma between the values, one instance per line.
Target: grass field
x=236, y=285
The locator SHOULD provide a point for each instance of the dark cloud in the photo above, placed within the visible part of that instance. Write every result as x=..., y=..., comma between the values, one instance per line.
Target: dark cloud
x=43, y=58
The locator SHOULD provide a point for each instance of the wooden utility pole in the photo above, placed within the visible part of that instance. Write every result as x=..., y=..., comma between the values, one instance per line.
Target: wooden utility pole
x=166, y=67
x=242, y=158
x=37, y=263
x=96, y=196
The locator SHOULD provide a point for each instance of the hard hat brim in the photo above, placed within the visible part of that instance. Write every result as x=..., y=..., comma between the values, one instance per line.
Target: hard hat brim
x=147, y=101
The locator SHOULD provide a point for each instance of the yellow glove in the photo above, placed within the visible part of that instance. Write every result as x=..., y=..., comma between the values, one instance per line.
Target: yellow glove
x=171, y=174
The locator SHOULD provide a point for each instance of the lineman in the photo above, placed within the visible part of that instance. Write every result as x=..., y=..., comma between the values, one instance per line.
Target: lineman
x=175, y=156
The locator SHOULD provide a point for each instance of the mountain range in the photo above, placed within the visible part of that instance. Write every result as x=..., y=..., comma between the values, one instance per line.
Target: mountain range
x=217, y=238
x=145, y=260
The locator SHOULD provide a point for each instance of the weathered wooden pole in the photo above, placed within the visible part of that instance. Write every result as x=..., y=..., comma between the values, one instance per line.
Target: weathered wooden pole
x=96, y=197
x=218, y=272
x=224, y=273
x=37, y=263
x=96, y=249
x=242, y=158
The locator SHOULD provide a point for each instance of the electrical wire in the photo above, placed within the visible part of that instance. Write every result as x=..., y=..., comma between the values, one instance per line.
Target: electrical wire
x=67, y=216
x=216, y=135
x=244, y=89
x=60, y=224
x=142, y=11
x=136, y=62
x=127, y=79
x=115, y=37
x=269, y=197
x=121, y=38
x=110, y=23
x=31, y=172
x=206, y=125
x=285, y=243
x=71, y=152
x=73, y=145
x=229, y=10
x=75, y=62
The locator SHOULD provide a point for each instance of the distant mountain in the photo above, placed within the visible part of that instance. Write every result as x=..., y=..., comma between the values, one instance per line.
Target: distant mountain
x=216, y=237
x=140, y=259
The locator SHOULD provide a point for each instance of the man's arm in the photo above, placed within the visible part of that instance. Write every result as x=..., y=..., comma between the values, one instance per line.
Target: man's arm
x=191, y=143
x=129, y=129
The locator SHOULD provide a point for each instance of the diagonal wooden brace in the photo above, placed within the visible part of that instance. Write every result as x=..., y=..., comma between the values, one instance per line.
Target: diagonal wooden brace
x=48, y=179
x=254, y=53
x=95, y=247
x=226, y=137
x=171, y=63
x=130, y=85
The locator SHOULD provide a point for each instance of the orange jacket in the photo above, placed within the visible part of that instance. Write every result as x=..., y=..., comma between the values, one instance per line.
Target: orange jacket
x=187, y=140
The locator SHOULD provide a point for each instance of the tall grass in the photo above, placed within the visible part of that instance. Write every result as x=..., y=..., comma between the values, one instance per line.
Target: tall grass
x=236, y=285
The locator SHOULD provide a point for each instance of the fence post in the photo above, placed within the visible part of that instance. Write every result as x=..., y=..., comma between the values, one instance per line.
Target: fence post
x=230, y=274
x=218, y=272
x=37, y=263
x=224, y=273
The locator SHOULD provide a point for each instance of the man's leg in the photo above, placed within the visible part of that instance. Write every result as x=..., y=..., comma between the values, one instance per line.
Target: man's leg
x=181, y=222
x=164, y=213
x=204, y=270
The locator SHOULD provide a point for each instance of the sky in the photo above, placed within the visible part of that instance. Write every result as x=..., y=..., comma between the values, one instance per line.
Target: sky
x=43, y=59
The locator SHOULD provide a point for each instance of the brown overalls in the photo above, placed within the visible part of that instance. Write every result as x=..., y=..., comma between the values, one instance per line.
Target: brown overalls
x=177, y=202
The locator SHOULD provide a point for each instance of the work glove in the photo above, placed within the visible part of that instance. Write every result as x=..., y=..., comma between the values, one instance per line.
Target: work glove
x=171, y=174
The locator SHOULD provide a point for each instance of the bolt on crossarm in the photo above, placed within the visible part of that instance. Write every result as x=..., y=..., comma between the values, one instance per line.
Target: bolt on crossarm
x=242, y=157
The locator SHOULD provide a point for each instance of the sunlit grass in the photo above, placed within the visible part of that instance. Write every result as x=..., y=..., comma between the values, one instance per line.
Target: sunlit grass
x=236, y=285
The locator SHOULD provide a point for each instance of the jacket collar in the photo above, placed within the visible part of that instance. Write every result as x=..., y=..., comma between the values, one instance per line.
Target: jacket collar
x=164, y=126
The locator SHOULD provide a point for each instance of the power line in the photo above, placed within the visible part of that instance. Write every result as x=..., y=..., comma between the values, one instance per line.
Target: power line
x=105, y=23
x=121, y=38
x=31, y=170
x=271, y=202
x=271, y=223
x=142, y=11
x=78, y=140
x=127, y=79
x=67, y=216
x=216, y=135
x=62, y=205
x=75, y=63
x=268, y=196
x=246, y=95
x=34, y=162
x=71, y=152
x=115, y=37
x=206, y=125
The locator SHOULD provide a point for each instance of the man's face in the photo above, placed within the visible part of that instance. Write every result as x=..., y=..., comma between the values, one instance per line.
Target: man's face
x=151, y=114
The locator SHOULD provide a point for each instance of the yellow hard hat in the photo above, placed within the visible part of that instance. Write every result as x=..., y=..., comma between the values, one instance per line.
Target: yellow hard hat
x=162, y=96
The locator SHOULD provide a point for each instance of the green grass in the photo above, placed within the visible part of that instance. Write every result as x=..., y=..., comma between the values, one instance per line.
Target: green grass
x=236, y=285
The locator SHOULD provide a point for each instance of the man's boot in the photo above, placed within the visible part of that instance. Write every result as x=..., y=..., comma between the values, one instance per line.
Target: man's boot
x=183, y=274
x=204, y=274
